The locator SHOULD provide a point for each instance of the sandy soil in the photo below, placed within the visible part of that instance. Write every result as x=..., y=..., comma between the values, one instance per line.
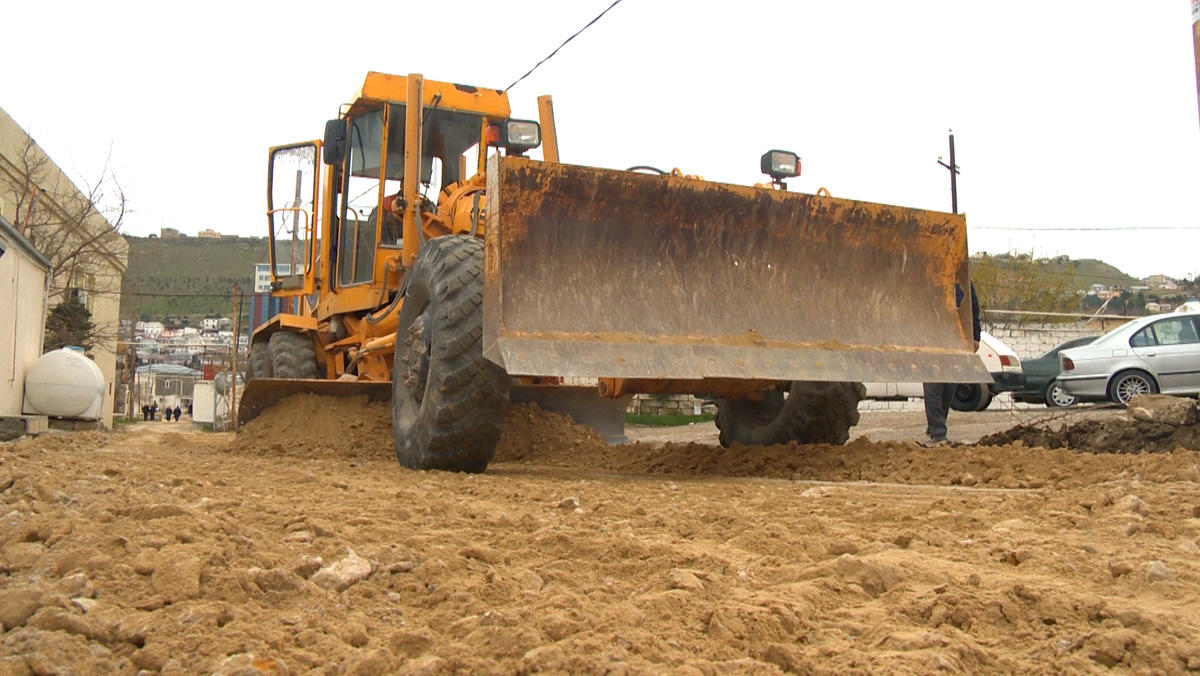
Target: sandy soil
x=302, y=546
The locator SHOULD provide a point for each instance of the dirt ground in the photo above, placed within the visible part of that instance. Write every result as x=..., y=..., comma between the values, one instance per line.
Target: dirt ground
x=302, y=546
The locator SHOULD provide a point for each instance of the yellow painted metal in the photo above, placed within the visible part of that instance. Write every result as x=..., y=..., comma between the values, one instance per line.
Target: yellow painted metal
x=412, y=167
x=285, y=321
x=600, y=273
x=381, y=87
x=549, y=136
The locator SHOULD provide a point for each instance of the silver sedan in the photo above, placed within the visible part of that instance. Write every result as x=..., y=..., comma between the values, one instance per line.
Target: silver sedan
x=1159, y=353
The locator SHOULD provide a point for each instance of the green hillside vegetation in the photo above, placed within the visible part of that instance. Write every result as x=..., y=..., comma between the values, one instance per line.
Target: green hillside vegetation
x=170, y=277
x=1059, y=284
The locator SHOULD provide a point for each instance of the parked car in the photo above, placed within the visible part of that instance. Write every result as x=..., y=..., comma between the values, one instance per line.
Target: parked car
x=1159, y=353
x=1040, y=374
x=998, y=358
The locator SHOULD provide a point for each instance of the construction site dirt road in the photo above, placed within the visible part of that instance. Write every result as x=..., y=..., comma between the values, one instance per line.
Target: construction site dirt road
x=164, y=549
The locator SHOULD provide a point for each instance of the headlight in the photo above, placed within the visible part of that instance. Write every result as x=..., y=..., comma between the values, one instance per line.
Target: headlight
x=515, y=136
x=780, y=164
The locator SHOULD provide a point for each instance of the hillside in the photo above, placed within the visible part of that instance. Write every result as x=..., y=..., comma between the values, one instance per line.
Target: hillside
x=1076, y=273
x=187, y=276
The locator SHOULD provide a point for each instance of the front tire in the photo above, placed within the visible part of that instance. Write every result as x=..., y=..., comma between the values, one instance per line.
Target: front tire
x=448, y=401
x=259, y=363
x=1128, y=384
x=1057, y=397
x=807, y=413
x=292, y=356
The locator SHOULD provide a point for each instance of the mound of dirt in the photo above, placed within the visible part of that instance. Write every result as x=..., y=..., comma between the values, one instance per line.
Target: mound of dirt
x=534, y=435
x=1142, y=430
x=313, y=426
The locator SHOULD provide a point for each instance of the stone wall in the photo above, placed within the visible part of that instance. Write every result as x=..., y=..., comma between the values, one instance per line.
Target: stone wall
x=1034, y=340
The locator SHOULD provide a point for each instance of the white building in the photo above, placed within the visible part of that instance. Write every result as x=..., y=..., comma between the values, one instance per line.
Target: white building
x=212, y=324
x=150, y=329
x=23, y=273
x=61, y=213
x=262, y=275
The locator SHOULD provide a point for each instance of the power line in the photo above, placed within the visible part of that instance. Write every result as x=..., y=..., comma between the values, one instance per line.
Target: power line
x=576, y=34
x=1090, y=229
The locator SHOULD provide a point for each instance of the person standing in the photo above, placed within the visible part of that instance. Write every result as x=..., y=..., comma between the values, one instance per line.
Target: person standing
x=153, y=410
x=177, y=412
x=145, y=412
x=939, y=395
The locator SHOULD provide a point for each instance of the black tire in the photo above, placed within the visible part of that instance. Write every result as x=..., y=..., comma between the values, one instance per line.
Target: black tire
x=1127, y=384
x=448, y=401
x=808, y=413
x=970, y=397
x=258, y=365
x=292, y=355
x=1057, y=397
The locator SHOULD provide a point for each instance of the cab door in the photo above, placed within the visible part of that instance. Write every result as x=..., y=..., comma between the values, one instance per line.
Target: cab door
x=292, y=176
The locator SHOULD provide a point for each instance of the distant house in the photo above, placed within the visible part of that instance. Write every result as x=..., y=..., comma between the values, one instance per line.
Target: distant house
x=209, y=233
x=150, y=329
x=170, y=233
x=210, y=324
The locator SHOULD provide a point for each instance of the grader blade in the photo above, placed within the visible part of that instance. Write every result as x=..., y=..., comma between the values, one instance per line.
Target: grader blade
x=600, y=273
x=262, y=393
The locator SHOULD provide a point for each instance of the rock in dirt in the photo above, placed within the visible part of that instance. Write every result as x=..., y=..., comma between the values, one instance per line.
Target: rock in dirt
x=1162, y=408
x=1157, y=571
x=340, y=575
x=17, y=605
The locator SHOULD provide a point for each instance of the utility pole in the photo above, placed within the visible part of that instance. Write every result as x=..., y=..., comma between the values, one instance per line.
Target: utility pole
x=1196, y=40
x=953, y=175
x=233, y=421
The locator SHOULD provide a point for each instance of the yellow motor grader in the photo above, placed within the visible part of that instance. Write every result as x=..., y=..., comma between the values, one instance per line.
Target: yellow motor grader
x=430, y=262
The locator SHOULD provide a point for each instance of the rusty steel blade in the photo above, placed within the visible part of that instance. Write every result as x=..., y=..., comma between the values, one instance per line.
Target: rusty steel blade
x=601, y=273
x=262, y=393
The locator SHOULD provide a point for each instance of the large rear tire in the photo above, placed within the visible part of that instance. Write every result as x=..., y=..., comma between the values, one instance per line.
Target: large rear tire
x=259, y=363
x=292, y=355
x=448, y=401
x=808, y=413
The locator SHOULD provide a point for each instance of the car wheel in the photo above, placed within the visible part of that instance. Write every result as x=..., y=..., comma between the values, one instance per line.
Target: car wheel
x=970, y=397
x=1056, y=396
x=1128, y=384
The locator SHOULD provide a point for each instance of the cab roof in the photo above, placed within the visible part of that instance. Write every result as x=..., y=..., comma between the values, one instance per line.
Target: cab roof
x=385, y=88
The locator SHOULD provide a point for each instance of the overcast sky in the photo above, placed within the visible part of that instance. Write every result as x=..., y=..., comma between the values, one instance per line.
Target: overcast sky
x=1066, y=114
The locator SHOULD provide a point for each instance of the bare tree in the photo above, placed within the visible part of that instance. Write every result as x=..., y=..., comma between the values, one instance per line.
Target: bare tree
x=76, y=227
x=1021, y=282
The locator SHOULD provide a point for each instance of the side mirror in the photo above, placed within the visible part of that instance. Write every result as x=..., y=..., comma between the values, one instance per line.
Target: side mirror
x=335, y=142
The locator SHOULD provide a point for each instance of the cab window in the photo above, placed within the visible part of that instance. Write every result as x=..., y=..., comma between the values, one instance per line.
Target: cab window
x=359, y=197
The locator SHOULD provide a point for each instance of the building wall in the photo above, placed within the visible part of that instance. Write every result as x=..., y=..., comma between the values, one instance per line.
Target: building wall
x=22, y=319
x=101, y=274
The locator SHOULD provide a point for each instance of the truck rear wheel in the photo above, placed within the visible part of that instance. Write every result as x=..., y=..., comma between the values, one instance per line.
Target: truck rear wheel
x=808, y=413
x=259, y=363
x=448, y=401
x=292, y=356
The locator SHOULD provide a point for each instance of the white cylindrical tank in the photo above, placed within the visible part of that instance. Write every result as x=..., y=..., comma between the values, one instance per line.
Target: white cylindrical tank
x=64, y=383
